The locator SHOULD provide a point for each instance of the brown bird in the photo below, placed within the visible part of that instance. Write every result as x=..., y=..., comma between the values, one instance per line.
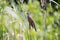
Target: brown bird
x=31, y=22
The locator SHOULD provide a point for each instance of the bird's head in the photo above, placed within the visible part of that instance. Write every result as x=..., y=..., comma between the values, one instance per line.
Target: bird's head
x=27, y=14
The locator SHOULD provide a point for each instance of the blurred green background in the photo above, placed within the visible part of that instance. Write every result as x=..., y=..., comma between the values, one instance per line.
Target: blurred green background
x=14, y=24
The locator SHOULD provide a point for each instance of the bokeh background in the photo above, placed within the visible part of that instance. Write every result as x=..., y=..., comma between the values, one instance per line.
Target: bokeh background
x=14, y=24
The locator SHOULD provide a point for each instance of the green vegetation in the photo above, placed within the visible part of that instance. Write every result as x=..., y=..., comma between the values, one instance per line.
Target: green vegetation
x=14, y=24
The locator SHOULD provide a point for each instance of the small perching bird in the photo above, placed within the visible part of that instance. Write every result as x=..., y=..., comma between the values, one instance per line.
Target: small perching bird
x=31, y=22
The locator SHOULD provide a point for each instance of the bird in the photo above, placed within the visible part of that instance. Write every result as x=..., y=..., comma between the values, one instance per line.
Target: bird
x=31, y=22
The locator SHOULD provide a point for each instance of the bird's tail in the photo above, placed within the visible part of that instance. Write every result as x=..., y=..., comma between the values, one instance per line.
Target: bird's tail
x=35, y=28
